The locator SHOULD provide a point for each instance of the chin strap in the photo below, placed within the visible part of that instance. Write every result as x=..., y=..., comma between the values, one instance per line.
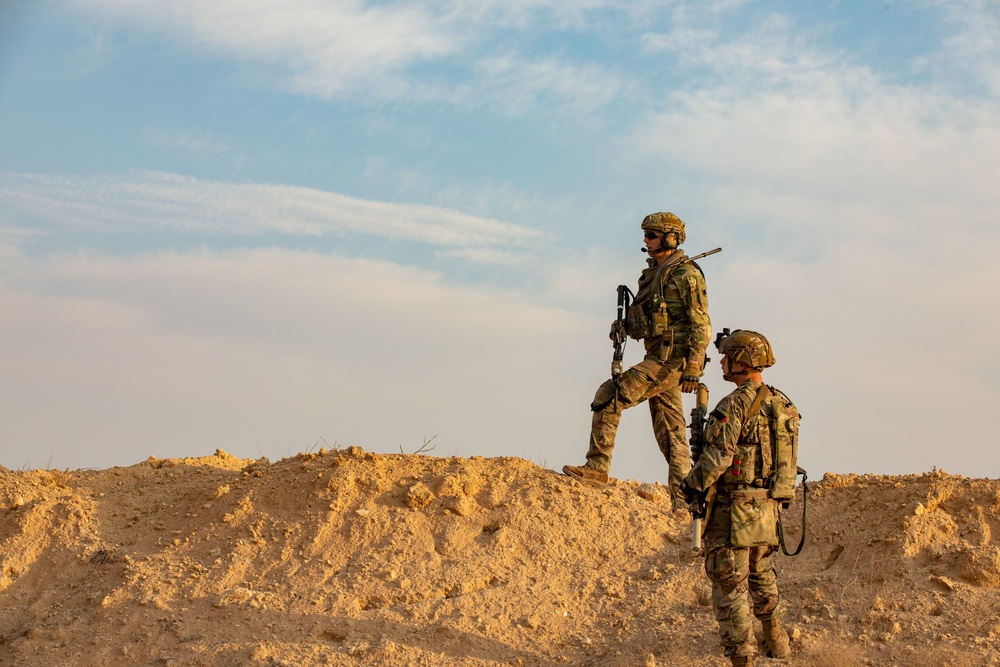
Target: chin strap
x=731, y=375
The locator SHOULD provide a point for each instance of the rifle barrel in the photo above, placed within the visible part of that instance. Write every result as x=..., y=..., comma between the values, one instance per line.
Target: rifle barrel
x=704, y=254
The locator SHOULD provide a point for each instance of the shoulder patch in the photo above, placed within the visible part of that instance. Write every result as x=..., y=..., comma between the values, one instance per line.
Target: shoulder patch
x=719, y=415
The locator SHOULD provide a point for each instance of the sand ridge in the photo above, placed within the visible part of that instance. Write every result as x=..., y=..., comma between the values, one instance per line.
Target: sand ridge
x=346, y=557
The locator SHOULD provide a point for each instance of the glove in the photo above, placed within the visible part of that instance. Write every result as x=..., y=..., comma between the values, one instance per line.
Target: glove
x=691, y=378
x=688, y=493
x=617, y=334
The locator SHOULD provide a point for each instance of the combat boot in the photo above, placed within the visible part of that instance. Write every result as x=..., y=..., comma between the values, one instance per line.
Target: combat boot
x=587, y=475
x=742, y=660
x=776, y=638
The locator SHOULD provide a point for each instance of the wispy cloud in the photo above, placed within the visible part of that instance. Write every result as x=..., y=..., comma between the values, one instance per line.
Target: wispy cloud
x=265, y=351
x=378, y=51
x=153, y=201
x=189, y=141
x=325, y=47
x=973, y=48
x=518, y=83
x=801, y=137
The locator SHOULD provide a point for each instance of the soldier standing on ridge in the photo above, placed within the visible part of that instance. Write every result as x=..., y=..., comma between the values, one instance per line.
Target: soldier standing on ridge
x=741, y=529
x=670, y=316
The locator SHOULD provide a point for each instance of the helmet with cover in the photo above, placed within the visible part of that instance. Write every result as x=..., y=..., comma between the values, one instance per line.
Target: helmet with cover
x=747, y=347
x=665, y=223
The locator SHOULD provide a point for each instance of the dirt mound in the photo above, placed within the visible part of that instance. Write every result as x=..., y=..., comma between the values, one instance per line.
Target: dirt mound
x=350, y=558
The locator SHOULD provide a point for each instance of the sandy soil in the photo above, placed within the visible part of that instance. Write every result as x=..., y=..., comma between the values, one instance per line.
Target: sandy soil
x=350, y=558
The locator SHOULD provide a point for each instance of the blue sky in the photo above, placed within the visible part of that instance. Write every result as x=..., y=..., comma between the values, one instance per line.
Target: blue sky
x=265, y=225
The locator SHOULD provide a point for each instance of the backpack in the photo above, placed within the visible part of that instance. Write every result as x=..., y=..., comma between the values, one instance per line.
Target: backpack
x=780, y=460
x=783, y=425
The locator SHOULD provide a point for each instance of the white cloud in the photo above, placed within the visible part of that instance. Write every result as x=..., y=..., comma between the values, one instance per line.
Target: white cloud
x=189, y=141
x=375, y=51
x=858, y=218
x=150, y=201
x=107, y=361
x=974, y=46
x=326, y=47
x=521, y=83
x=796, y=137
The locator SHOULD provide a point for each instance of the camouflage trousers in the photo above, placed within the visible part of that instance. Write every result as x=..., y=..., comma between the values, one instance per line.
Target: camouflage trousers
x=744, y=583
x=659, y=385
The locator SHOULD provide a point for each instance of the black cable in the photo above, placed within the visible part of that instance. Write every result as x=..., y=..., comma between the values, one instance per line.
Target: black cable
x=781, y=530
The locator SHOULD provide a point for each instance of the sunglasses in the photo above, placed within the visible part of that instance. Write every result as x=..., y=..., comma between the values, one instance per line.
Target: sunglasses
x=650, y=235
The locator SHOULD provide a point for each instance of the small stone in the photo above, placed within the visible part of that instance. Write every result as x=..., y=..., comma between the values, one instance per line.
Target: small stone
x=652, y=493
x=418, y=496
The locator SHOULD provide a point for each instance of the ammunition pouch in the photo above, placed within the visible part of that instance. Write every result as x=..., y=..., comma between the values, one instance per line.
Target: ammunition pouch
x=648, y=320
x=659, y=319
x=665, y=349
x=636, y=322
x=754, y=519
x=745, y=466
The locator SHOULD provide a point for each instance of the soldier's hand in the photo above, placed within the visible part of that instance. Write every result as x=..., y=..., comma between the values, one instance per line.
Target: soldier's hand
x=691, y=378
x=617, y=334
x=688, y=493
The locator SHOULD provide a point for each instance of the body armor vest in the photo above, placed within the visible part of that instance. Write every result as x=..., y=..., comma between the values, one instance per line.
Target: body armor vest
x=651, y=314
x=767, y=451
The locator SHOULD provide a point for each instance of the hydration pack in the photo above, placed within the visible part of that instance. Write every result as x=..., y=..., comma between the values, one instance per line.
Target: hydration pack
x=782, y=419
x=773, y=463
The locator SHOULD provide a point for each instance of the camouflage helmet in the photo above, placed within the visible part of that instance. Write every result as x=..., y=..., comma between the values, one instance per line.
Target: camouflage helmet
x=664, y=223
x=747, y=347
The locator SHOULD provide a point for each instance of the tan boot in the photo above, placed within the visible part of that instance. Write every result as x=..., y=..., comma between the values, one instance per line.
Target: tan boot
x=587, y=475
x=777, y=639
x=742, y=660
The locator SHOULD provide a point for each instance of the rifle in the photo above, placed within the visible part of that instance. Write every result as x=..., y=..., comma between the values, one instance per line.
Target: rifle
x=625, y=297
x=704, y=254
x=701, y=507
x=699, y=415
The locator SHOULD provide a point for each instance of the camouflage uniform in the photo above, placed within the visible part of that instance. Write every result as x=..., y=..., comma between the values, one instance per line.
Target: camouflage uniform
x=657, y=378
x=743, y=578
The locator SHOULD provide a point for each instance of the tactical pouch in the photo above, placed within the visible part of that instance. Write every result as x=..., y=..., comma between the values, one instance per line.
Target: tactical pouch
x=785, y=448
x=636, y=322
x=666, y=347
x=743, y=468
x=659, y=318
x=754, y=519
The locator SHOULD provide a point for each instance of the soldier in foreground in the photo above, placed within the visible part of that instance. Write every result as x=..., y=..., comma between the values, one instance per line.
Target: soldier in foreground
x=670, y=315
x=751, y=442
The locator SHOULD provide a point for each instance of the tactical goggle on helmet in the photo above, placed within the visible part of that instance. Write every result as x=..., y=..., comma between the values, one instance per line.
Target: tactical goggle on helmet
x=665, y=223
x=745, y=346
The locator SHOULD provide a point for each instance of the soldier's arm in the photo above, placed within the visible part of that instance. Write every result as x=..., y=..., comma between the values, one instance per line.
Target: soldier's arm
x=691, y=285
x=725, y=423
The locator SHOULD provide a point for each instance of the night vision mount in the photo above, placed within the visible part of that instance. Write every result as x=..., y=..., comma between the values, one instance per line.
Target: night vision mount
x=721, y=336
